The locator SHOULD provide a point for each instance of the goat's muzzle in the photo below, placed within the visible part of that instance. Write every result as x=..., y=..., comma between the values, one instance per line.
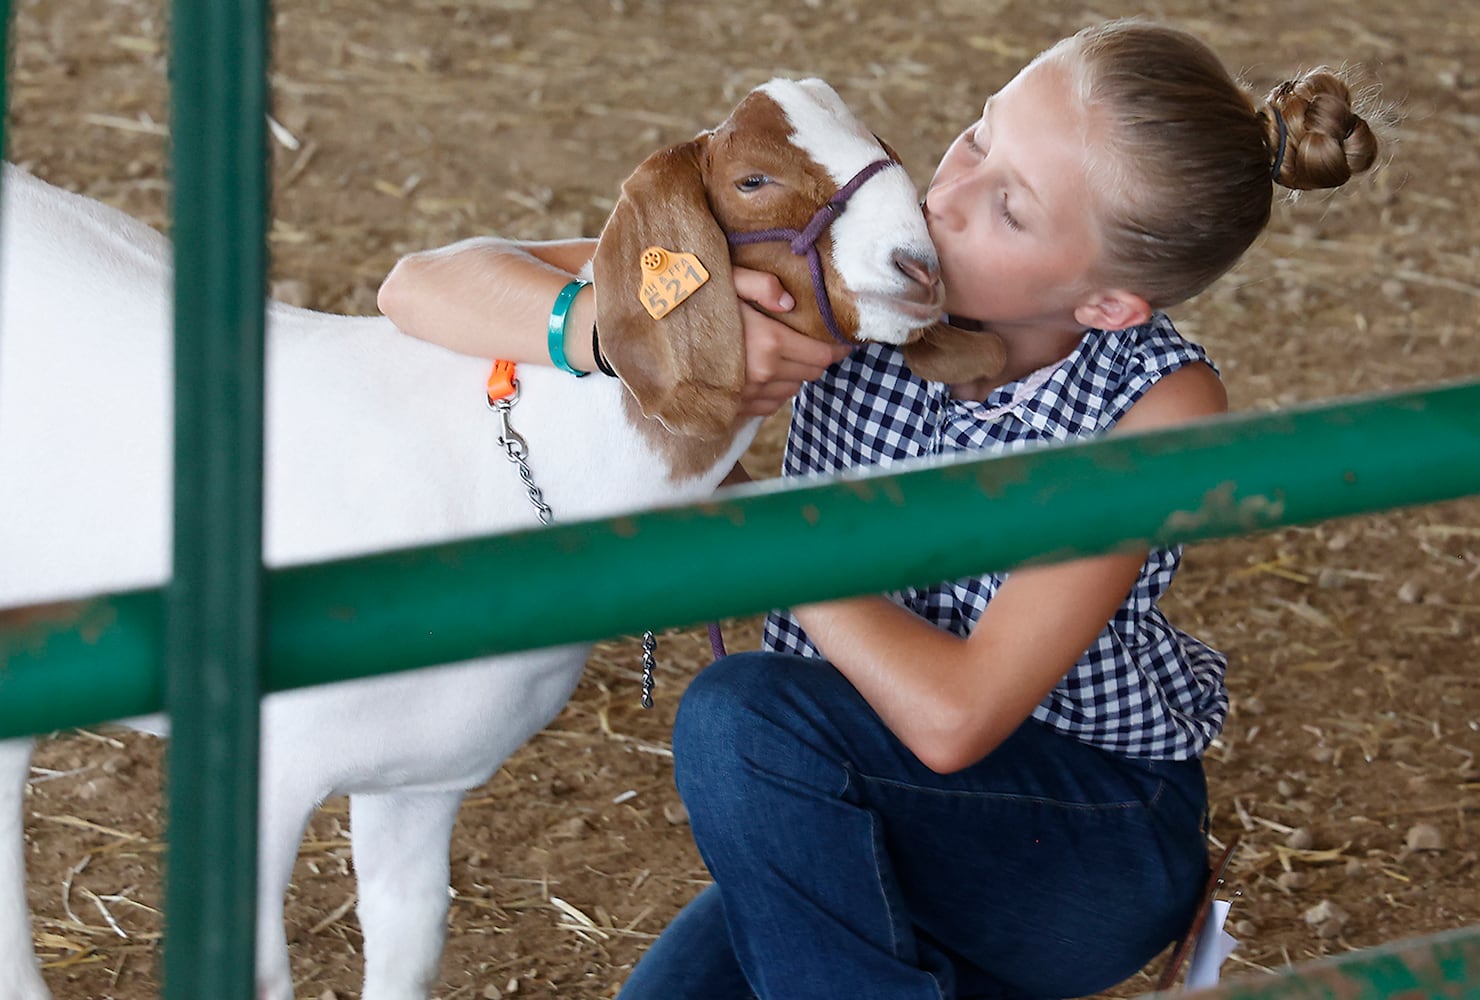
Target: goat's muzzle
x=920, y=271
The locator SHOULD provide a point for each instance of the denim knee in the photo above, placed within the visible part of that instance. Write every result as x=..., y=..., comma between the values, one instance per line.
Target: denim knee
x=720, y=705
x=713, y=695
x=753, y=716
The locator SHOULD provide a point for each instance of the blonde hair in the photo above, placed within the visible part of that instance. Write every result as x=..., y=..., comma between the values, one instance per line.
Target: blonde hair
x=1185, y=159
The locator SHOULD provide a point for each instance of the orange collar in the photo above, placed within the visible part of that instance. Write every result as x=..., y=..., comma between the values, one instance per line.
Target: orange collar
x=501, y=381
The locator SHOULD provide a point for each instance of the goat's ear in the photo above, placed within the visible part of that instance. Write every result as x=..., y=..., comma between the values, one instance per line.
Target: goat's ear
x=950, y=354
x=888, y=149
x=688, y=368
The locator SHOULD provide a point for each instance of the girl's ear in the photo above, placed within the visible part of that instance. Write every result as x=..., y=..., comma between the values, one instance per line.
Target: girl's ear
x=1113, y=309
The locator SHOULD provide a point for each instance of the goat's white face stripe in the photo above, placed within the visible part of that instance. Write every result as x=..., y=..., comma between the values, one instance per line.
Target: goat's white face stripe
x=882, y=217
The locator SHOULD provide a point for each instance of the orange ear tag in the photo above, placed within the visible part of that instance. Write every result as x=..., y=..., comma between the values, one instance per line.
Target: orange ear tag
x=669, y=277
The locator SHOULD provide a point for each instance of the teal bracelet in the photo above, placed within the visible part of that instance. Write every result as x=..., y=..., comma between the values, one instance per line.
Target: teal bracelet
x=559, y=316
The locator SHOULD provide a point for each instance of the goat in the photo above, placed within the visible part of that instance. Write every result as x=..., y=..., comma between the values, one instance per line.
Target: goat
x=375, y=440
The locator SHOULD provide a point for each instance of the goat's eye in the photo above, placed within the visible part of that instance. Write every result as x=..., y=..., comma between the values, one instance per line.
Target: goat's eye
x=753, y=182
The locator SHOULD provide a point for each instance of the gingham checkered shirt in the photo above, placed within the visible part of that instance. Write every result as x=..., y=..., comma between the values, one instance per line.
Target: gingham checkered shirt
x=1144, y=688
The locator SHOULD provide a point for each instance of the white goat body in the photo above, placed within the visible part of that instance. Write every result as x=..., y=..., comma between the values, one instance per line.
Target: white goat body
x=374, y=440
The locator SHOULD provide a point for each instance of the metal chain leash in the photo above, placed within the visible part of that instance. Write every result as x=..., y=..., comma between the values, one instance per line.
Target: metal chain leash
x=649, y=643
x=516, y=449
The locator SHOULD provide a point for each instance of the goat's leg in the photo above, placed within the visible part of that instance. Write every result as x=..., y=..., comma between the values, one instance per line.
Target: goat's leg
x=18, y=965
x=282, y=817
x=401, y=841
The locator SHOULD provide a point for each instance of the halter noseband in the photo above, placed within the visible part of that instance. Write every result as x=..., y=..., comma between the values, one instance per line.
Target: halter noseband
x=803, y=242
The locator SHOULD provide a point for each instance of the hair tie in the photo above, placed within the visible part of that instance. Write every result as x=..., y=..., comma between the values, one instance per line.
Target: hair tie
x=1279, y=153
x=602, y=364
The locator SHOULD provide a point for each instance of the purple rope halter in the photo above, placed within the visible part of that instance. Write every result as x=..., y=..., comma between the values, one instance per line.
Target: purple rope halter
x=716, y=641
x=804, y=241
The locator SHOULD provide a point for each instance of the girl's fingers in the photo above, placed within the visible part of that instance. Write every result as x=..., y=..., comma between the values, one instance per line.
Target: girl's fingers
x=765, y=402
x=771, y=345
x=787, y=370
x=762, y=288
x=778, y=360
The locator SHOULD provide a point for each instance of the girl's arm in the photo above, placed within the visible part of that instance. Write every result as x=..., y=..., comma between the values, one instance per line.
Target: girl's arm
x=953, y=700
x=491, y=298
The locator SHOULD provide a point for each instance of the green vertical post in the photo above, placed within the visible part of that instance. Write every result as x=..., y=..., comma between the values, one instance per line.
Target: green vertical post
x=4, y=69
x=213, y=629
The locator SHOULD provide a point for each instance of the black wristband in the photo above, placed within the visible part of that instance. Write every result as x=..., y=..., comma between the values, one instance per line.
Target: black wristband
x=601, y=362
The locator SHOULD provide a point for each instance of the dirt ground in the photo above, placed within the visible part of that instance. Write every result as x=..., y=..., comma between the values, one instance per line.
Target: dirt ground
x=1348, y=765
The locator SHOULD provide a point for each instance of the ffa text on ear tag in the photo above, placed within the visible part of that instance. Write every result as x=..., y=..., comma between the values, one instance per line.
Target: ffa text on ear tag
x=669, y=277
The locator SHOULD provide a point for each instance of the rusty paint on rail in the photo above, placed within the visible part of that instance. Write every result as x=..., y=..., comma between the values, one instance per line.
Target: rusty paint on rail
x=90, y=619
x=1222, y=506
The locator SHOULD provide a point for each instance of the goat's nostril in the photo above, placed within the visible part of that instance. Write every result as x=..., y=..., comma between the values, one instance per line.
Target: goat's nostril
x=917, y=269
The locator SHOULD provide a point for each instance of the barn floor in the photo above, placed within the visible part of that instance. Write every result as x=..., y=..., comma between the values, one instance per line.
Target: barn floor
x=1349, y=763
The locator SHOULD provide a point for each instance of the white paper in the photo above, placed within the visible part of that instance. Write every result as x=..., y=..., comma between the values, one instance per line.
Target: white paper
x=1212, y=949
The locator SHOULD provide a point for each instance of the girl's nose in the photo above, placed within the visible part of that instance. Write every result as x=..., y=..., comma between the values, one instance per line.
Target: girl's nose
x=939, y=205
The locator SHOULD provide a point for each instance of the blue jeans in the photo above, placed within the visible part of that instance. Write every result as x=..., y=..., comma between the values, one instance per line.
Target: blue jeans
x=845, y=868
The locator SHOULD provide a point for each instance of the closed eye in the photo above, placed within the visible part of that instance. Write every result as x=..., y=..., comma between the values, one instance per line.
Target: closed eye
x=1008, y=217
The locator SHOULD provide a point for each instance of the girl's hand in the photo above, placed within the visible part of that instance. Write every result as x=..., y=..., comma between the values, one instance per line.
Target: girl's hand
x=777, y=358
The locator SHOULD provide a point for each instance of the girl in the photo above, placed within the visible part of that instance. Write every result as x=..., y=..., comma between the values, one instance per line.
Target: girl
x=991, y=787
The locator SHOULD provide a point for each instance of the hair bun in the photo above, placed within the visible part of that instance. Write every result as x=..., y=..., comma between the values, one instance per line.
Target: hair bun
x=1316, y=138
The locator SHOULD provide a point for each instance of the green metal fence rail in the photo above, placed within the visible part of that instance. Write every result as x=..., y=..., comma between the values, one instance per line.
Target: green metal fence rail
x=213, y=628
x=1445, y=965
x=81, y=662
x=227, y=632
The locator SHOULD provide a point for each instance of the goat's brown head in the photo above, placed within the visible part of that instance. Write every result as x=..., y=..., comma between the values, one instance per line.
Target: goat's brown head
x=783, y=153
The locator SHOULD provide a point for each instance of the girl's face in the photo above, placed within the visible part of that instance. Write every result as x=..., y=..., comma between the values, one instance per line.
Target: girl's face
x=1011, y=211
